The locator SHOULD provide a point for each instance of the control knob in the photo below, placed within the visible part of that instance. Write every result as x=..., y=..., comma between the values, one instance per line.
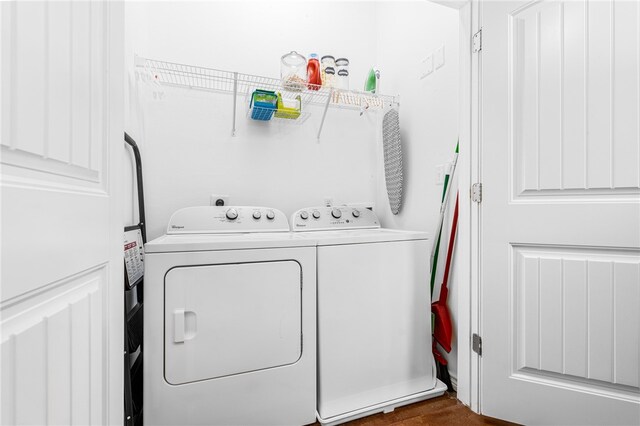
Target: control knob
x=316, y=214
x=304, y=215
x=232, y=214
x=271, y=215
x=257, y=215
x=336, y=213
x=356, y=213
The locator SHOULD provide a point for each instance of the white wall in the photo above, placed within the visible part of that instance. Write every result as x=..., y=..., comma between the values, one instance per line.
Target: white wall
x=409, y=32
x=185, y=137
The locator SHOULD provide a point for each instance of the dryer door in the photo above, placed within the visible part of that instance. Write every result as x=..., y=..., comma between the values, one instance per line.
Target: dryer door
x=222, y=320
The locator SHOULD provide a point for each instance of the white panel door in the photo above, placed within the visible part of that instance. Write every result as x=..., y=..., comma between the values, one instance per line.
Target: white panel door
x=560, y=215
x=61, y=142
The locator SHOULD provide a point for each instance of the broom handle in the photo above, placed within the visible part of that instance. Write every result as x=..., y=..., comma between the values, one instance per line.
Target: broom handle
x=443, y=205
x=443, y=289
x=436, y=248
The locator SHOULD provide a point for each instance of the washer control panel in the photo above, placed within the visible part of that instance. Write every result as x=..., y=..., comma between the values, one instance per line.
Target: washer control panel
x=227, y=219
x=333, y=218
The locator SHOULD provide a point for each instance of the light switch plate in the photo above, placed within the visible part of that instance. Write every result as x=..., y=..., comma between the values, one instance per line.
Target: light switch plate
x=439, y=57
x=422, y=70
x=426, y=67
x=429, y=64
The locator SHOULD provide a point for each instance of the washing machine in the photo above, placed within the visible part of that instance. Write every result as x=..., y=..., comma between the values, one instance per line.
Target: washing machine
x=230, y=310
x=374, y=313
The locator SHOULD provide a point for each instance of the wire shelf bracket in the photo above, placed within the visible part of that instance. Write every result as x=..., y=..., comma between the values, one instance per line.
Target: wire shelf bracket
x=235, y=101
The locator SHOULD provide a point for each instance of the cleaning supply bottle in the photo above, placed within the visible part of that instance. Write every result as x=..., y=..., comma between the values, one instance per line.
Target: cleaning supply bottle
x=313, y=72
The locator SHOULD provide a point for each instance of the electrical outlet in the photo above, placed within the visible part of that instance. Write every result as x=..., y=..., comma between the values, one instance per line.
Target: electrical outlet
x=218, y=200
x=448, y=167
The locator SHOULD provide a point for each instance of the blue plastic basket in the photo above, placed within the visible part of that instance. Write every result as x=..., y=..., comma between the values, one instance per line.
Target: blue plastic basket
x=263, y=109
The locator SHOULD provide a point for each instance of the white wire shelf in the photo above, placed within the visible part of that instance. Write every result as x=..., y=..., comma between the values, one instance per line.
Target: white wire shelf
x=173, y=74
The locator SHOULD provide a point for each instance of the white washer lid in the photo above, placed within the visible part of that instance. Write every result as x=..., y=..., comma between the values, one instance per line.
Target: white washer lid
x=361, y=236
x=210, y=242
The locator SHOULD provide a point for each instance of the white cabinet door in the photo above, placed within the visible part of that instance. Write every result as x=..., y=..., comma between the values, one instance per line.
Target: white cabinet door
x=560, y=215
x=61, y=143
x=374, y=343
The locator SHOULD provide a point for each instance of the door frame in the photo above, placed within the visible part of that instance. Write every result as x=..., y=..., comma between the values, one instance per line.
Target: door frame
x=475, y=211
x=115, y=291
x=467, y=260
x=473, y=303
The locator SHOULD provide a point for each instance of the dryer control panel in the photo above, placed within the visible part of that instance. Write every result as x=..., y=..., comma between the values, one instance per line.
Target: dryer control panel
x=227, y=219
x=333, y=218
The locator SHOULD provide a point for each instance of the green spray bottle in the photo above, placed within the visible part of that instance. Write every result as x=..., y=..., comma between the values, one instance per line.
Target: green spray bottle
x=372, y=83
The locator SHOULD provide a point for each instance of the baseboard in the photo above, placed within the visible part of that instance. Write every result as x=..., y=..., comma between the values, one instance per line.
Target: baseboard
x=454, y=382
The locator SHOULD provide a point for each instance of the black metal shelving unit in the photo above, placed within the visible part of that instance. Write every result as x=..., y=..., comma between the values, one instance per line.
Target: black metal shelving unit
x=133, y=318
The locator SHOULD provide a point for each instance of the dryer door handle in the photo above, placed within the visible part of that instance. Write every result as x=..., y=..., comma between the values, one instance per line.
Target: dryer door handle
x=184, y=325
x=178, y=326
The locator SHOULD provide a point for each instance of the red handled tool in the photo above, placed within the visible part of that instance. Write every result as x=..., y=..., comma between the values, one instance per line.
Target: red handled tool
x=443, y=330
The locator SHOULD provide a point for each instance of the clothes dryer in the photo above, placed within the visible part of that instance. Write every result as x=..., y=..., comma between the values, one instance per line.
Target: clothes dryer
x=230, y=310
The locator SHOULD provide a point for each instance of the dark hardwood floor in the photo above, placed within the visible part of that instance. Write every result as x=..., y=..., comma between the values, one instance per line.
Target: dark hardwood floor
x=445, y=410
